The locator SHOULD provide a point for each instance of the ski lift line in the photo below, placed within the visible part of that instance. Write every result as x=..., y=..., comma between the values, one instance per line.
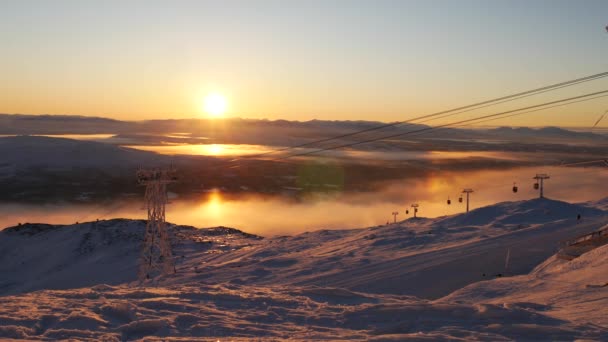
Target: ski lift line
x=526, y=112
x=485, y=188
x=442, y=126
x=600, y=119
x=489, y=105
x=449, y=125
x=452, y=113
x=515, y=114
x=605, y=161
x=536, y=110
x=470, y=122
x=459, y=110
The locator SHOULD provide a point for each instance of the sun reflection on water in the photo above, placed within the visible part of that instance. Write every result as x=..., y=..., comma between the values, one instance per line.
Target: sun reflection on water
x=212, y=205
x=204, y=149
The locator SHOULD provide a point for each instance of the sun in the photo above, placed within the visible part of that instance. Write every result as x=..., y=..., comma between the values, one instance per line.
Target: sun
x=215, y=104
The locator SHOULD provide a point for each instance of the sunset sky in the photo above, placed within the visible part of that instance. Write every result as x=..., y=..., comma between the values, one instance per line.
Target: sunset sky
x=370, y=60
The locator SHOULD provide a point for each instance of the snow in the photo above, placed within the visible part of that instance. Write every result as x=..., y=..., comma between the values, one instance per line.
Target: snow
x=413, y=257
x=420, y=279
x=220, y=311
x=41, y=256
x=571, y=290
x=600, y=204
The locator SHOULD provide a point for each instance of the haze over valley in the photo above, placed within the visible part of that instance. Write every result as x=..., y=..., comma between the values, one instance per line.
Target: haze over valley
x=92, y=172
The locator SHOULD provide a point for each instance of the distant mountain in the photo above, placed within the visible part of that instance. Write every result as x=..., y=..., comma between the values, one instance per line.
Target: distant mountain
x=271, y=132
x=60, y=124
x=36, y=151
x=545, y=132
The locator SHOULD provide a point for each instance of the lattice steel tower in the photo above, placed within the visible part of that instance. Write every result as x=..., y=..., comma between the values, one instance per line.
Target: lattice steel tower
x=156, y=255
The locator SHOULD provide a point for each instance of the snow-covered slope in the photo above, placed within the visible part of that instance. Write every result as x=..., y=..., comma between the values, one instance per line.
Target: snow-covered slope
x=424, y=257
x=575, y=290
x=39, y=256
x=599, y=204
x=413, y=257
x=342, y=284
x=194, y=311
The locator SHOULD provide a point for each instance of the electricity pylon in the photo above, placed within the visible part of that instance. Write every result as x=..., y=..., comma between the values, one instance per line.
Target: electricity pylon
x=540, y=177
x=156, y=255
x=467, y=191
x=395, y=213
x=415, y=206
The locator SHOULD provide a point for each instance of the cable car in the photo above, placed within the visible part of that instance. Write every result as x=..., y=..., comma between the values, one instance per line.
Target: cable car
x=514, y=188
x=449, y=202
x=460, y=199
x=535, y=186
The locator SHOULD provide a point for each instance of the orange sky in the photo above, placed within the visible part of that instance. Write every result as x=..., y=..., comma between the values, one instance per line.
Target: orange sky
x=382, y=61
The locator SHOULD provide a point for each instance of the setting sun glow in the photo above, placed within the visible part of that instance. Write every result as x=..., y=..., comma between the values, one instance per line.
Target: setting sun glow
x=215, y=104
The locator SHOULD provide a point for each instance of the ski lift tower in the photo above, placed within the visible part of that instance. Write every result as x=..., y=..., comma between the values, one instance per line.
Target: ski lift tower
x=415, y=206
x=156, y=255
x=467, y=191
x=540, y=177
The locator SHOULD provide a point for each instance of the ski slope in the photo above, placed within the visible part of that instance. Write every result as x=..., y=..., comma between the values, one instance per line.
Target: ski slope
x=427, y=258
x=575, y=290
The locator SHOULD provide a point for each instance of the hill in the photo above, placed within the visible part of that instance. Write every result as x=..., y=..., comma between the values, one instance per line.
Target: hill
x=573, y=290
x=412, y=257
x=273, y=132
x=23, y=152
x=41, y=256
x=330, y=284
x=428, y=258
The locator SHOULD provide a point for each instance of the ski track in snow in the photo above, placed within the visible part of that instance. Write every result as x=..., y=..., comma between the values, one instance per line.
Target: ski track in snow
x=420, y=279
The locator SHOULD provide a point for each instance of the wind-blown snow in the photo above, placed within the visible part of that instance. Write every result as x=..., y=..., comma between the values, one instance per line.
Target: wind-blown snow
x=309, y=313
